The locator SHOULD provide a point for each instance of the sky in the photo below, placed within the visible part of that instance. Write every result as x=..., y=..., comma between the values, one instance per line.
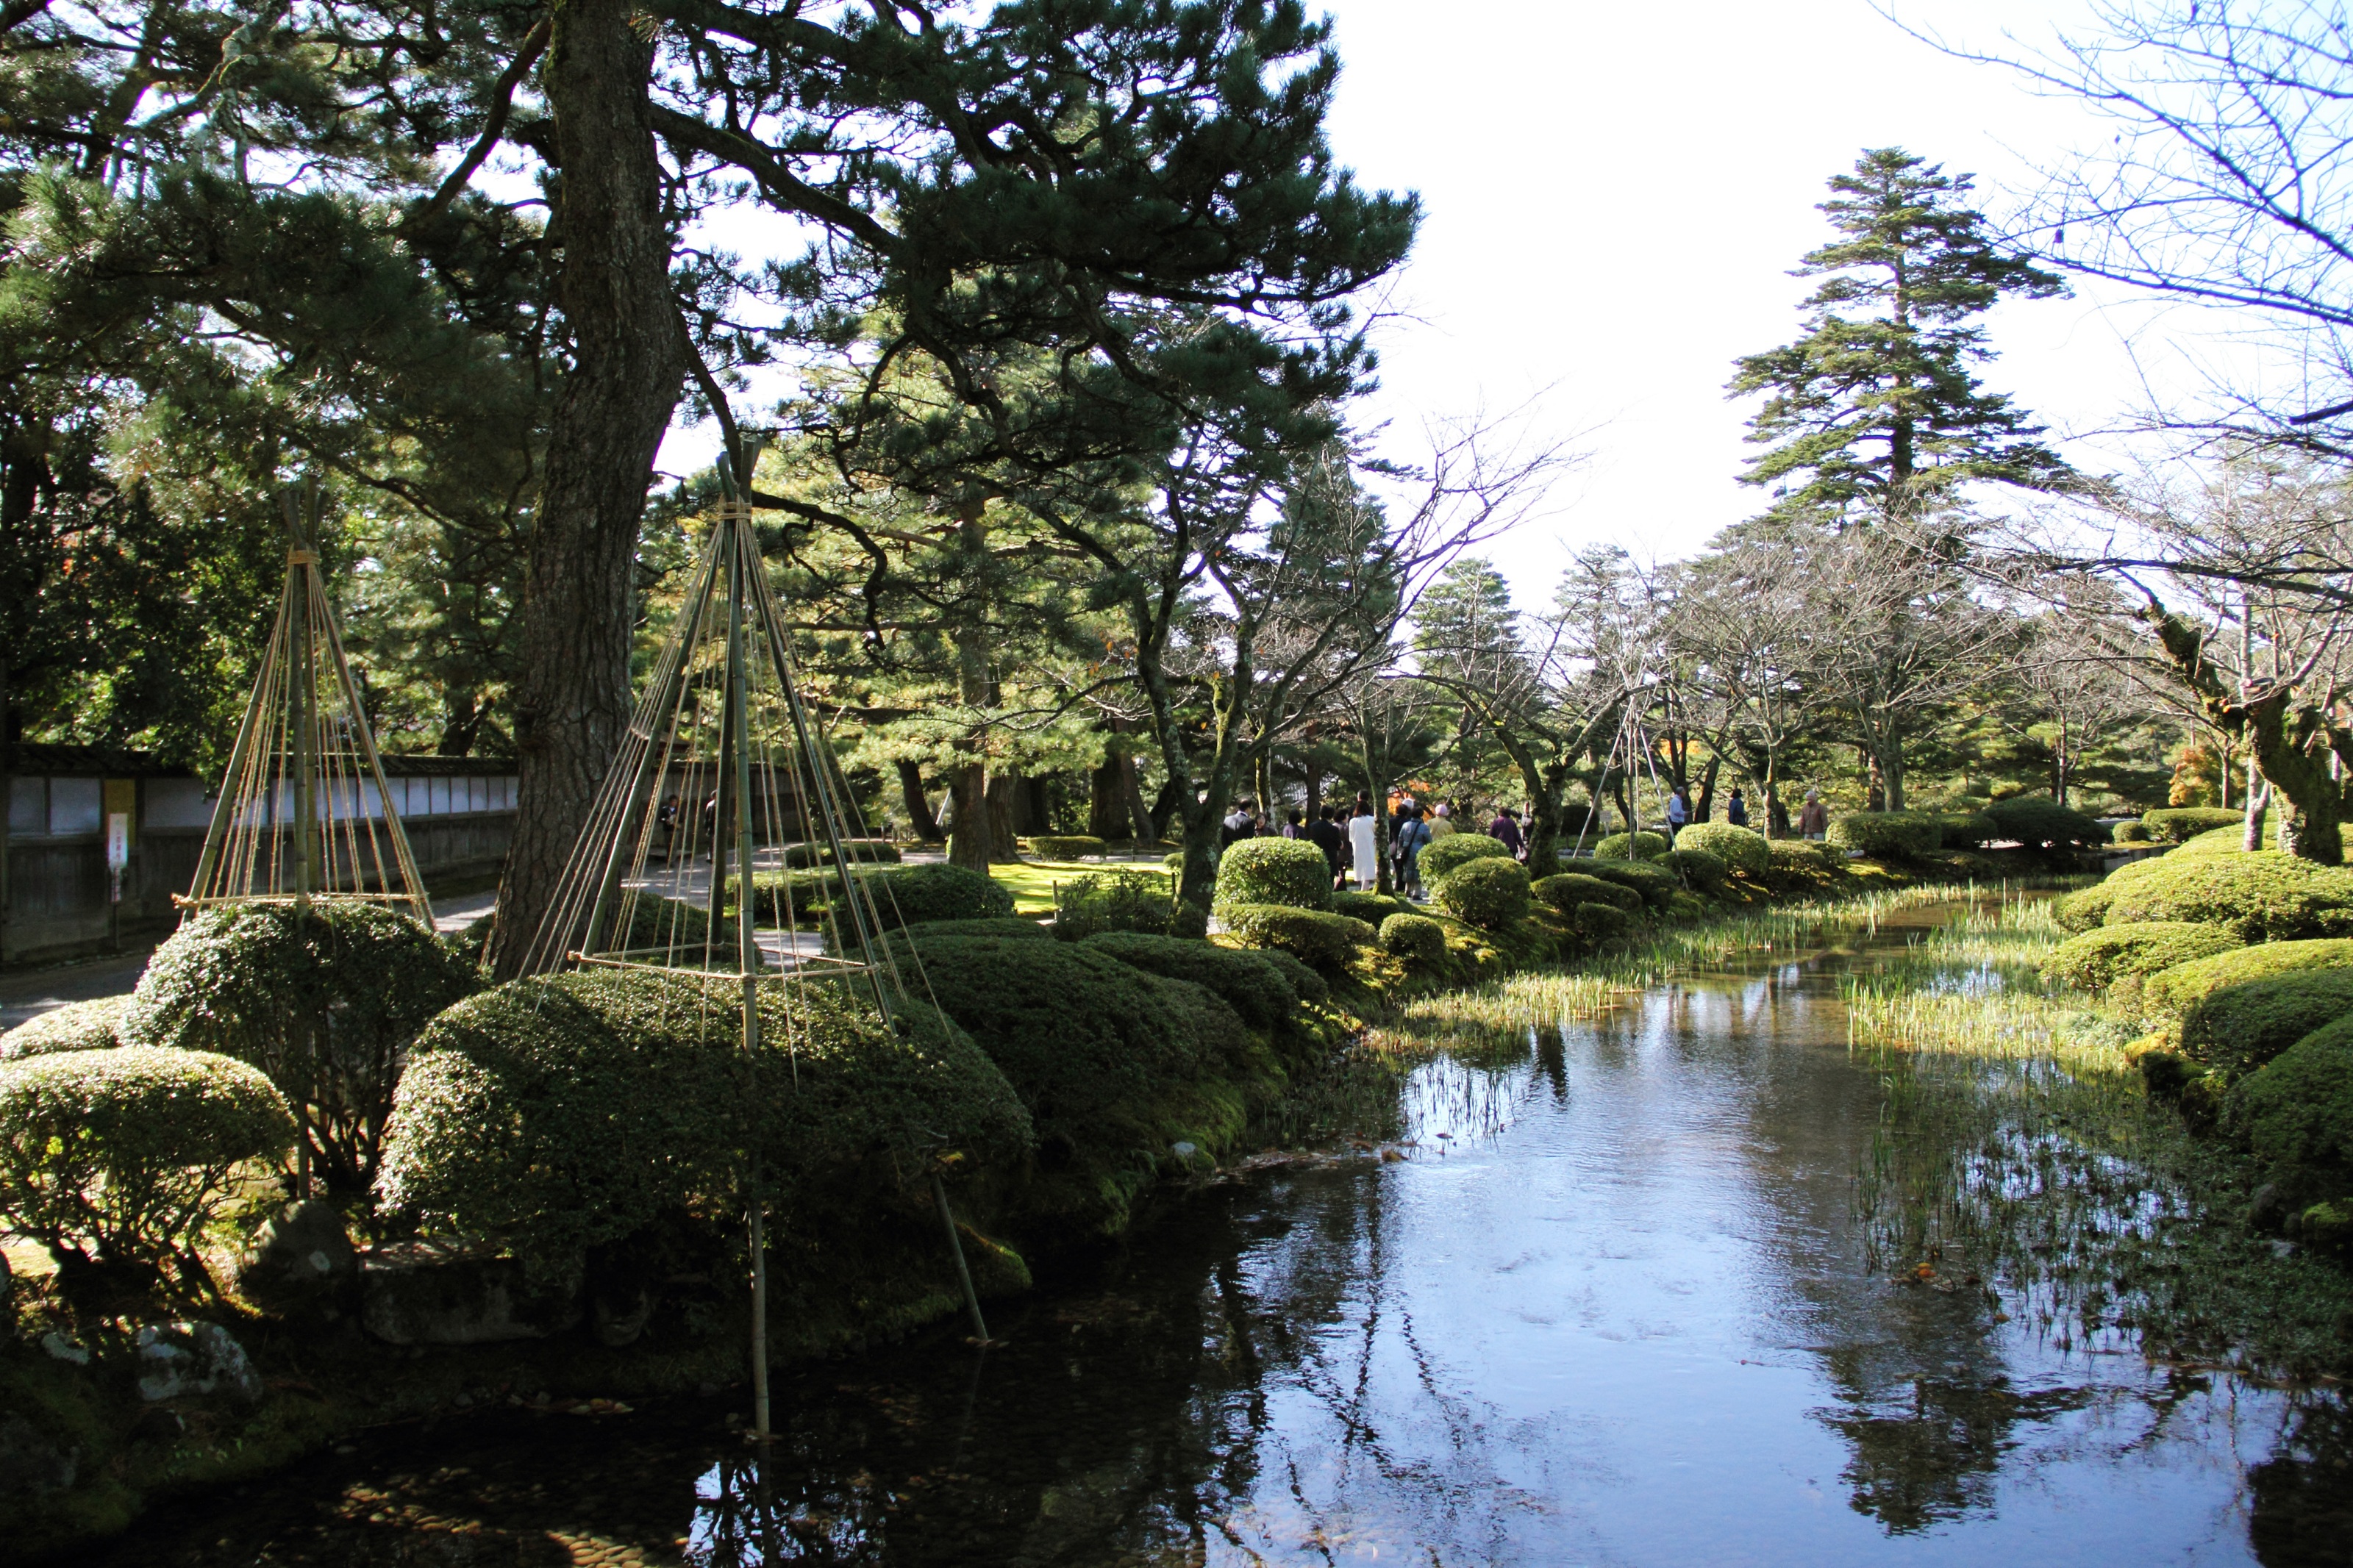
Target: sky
x=1614, y=197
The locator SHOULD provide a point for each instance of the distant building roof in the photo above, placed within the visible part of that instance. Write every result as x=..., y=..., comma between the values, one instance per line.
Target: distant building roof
x=106, y=761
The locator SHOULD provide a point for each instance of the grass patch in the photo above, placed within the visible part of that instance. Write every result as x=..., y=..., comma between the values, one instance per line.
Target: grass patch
x=1031, y=882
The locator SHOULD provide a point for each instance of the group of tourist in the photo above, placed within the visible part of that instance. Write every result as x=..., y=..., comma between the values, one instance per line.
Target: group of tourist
x=1349, y=837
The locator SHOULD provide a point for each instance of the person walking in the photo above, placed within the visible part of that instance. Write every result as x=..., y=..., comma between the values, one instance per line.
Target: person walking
x=1814, y=821
x=1442, y=822
x=1294, y=827
x=1505, y=831
x=1239, y=824
x=1677, y=812
x=1408, y=852
x=1332, y=839
x=1736, y=812
x=667, y=820
x=1363, y=832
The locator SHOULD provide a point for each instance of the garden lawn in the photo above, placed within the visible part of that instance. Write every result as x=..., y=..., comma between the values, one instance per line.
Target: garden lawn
x=1031, y=882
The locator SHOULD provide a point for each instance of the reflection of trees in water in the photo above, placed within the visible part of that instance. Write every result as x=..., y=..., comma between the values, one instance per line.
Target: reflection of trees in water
x=2304, y=1492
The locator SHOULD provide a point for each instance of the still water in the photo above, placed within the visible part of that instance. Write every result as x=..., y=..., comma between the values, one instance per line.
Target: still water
x=1613, y=1308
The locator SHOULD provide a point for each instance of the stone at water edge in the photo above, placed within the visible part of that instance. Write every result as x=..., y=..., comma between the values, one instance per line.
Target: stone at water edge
x=302, y=1257
x=180, y=1359
x=418, y=1296
x=621, y=1317
x=2268, y=1210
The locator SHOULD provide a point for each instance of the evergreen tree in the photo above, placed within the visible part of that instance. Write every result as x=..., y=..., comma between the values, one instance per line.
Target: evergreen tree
x=1878, y=406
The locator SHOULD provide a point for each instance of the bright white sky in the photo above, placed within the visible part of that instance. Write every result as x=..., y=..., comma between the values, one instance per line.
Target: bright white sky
x=1614, y=197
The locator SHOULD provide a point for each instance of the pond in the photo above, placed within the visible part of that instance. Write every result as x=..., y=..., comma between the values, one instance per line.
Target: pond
x=1613, y=1305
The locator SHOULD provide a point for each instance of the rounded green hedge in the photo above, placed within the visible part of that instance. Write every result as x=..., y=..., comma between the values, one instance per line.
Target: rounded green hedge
x=1289, y=872
x=906, y=939
x=326, y=1002
x=911, y=895
x=558, y=1114
x=1656, y=884
x=1739, y=848
x=857, y=851
x=2238, y=1029
x=124, y=1156
x=1887, y=835
x=2177, y=989
x=1630, y=846
x=2297, y=1114
x=2041, y=823
x=75, y=1027
x=1486, y=892
x=1311, y=936
x=1698, y=868
x=1309, y=986
x=1123, y=900
x=1249, y=984
x=2096, y=959
x=2180, y=824
x=1067, y=846
x=1965, y=829
x=2266, y=895
x=1564, y=890
x=2131, y=833
x=1459, y=848
x=1597, y=922
x=1417, y=939
x=1371, y=907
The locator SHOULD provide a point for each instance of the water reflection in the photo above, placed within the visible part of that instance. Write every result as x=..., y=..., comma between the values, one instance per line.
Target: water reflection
x=1616, y=1306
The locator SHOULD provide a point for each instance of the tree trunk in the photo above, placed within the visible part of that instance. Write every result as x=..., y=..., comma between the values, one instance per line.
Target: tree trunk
x=1891, y=769
x=920, y=819
x=7, y=799
x=1164, y=808
x=1874, y=782
x=1003, y=795
x=1703, y=808
x=628, y=360
x=1106, y=802
x=1038, y=805
x=968, y=829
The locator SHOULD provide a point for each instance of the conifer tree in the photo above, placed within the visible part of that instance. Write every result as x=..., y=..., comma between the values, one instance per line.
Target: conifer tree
x=1878, y=406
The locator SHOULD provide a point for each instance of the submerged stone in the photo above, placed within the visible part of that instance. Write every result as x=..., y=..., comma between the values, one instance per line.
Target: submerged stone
x=423, y=1296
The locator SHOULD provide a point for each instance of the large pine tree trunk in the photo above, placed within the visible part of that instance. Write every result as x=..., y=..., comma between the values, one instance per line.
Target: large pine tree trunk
x=920, y=819
x=628, y=360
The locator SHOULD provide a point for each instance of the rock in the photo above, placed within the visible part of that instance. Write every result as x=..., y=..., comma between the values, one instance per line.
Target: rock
x=60, y=1348
x=301, y=1259
x=30, y=1465
x=2268, y=1210
x=422, y=1296
x=622, y=1318
x=180, y=1359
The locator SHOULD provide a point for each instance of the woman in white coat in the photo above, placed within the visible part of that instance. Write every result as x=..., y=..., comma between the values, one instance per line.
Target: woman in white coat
x=1360, y=842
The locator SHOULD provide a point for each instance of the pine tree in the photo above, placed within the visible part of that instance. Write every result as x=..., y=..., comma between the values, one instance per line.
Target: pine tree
x=1878, y=406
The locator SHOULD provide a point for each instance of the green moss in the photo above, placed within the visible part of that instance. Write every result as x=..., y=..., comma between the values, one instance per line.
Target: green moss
x=2297, y=1114
x=1488, y=891
x=1287, y=871
x=2238, y=1029
x=2096, y=959
x=1417, y=939
x=1249, y=983
x=1740, y=849
x=75, y=1027
x=2176, y=990
x=1459, y=848
x=2266, y=895
x=1319, y=940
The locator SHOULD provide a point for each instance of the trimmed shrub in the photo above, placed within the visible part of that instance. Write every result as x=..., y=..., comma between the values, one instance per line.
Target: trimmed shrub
x=1598, y=923
x=1309, y=987
x=123, y=1157
x=1887, y=835
x=1122, y=900
x=75, y=1027
x=2266, y=895
x=1563, y=892
x=2041, y=823
x=1655, y=883
x=2096, y=959
x=1249, y=984
x=1290, y=871
x=2176, y=990
x=1698, y=868
x=906, y=939
x=1630, y=846
x=1067, y=846
x=1739, y=848
x=559, y=1114
x=1417, y=939
x=2238, y=1029
x=326, y=1002
x=1486, y=892
x=857, y=851
x=1311, y=936
x=2131, y=833
x=2297, y=1114
x=1371, y=907
x=1965, y=829
x=1459, y=848
x=1094, y=1047
x=911, y=895
x=2179, y=824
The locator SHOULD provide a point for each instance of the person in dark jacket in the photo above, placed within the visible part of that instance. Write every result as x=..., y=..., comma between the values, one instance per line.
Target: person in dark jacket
x=1239, y=824
x=1505, y=830
x=1332, y=838
x=1736, y=812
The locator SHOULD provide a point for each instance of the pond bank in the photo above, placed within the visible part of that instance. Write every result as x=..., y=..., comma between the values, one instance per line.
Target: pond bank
x=1613, y=1290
